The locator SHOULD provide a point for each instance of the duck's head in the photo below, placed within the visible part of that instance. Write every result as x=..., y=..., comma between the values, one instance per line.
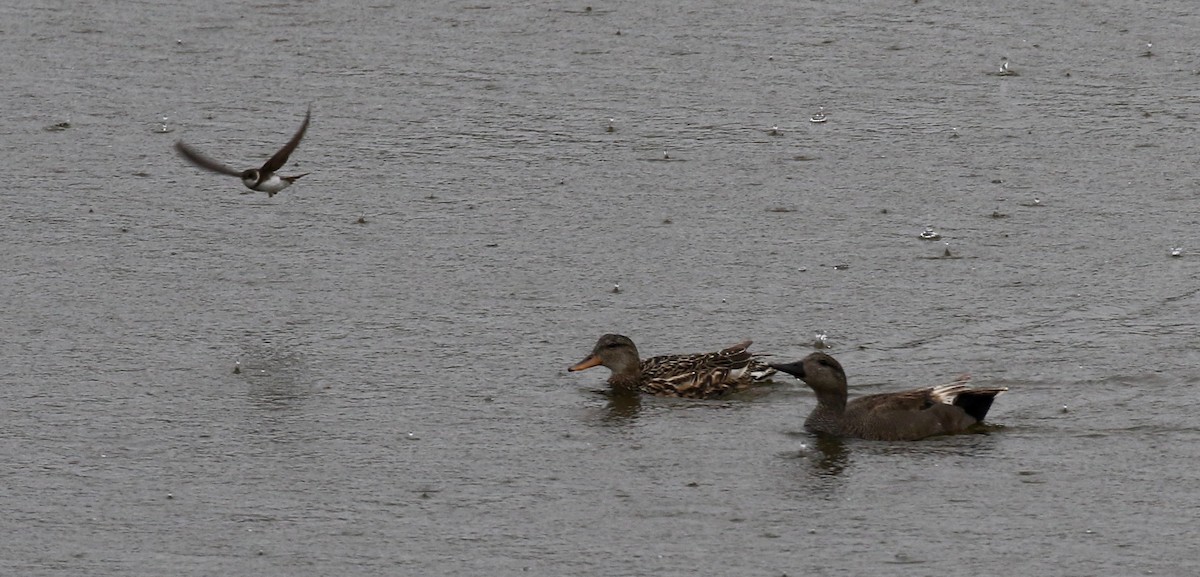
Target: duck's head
x=819, y=370
x=617, y=352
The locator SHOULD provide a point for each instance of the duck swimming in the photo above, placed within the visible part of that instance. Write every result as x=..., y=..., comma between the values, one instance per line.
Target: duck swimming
x=697, y=376
x=901, y=416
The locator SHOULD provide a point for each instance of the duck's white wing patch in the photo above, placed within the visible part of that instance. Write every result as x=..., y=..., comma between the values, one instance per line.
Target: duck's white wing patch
x=947, y=393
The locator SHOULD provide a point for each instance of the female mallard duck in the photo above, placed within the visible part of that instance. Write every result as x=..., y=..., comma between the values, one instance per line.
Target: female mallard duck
x=903, y=416
x=697, y=376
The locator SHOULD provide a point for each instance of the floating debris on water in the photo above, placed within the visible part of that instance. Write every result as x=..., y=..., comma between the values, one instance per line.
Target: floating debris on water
x=946, y=254
x=929, y=234
x=1005, y=70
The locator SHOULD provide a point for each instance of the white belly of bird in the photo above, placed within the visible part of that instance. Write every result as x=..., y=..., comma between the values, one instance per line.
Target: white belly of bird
x=271, y=185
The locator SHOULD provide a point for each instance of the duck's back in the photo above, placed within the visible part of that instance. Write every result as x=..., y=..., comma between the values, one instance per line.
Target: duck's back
x=903, y=417
x=700, y=375
x=916, y=414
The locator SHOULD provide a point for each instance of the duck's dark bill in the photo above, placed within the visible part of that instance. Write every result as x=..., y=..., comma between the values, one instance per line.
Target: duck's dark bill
x=794, y=369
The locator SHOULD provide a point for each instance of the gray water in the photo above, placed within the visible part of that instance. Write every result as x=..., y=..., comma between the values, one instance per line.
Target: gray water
x=403, y=406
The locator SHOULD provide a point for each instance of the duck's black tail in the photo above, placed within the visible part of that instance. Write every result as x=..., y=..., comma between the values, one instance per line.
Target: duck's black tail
x=977, y=402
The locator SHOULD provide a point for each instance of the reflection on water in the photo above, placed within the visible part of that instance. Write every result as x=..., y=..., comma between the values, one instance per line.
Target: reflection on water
x=276, y=380
x=827, y=454
x=978, y=441
x=618, y=410
x=626, y=408
x=819, y=464
x=830, y=456
x=622, y=408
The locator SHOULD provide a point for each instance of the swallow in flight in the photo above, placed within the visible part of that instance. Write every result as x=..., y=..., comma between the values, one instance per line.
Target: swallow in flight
x=261, y=179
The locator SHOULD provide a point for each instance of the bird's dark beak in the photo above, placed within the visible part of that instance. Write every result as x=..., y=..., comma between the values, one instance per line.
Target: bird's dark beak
x=795, y=369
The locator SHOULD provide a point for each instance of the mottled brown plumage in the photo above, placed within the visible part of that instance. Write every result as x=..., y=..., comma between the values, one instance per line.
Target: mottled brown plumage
x=698, y=376
x=902, y=416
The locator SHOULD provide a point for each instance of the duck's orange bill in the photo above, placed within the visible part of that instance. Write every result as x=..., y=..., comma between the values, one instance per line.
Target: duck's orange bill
x=591, y=361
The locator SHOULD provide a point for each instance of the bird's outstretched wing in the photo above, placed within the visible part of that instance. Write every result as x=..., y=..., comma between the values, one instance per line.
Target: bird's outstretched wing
x=203, y=161
x=277, y=161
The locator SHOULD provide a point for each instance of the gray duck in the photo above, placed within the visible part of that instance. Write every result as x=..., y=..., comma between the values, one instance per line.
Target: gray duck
x=900, y=416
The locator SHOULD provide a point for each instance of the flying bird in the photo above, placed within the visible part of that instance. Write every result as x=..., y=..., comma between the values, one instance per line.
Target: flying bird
x=260, y=179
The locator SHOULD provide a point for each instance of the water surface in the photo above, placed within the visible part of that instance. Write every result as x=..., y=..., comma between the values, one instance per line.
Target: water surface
x=402, y=406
